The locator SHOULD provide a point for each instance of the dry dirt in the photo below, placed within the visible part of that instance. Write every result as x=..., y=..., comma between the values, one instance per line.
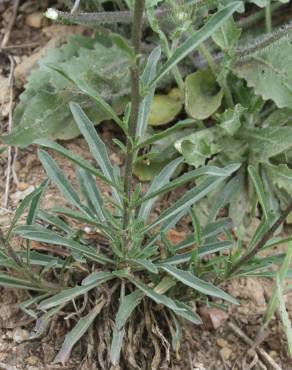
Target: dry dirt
x=205, y=347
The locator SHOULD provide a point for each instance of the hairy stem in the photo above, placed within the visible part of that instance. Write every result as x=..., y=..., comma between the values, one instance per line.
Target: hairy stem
x=269, y=26
x=265, y=238
x=135, y=104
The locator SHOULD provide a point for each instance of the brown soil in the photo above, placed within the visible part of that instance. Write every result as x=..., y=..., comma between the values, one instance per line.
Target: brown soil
x=205, y=347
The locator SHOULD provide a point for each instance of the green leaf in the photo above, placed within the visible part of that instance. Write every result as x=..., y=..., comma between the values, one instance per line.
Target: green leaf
x=227, y=36
x=91, y=193
x=178, y=307
x=96, y=277
x=40, y=234
x=69, y=294
x=158, y=182
x=116, y=345
x=190, y=176
x=73, y=158
x=280, y=175
x=96, y=145
x=147, y=265
x=145, y=106
x=203, y=97
x=202, y=251
x=230, y=119
x=43, y=111
x=267, y=142
x=77, y=332
x=201, y=145
x=55, y=221
x=196, y=38
x=8, y=281
x=259, y=187
x=187, y=200
x=165, y=108
x=281, y=274
x=201, y=286
x=284, y=315
x=57, y=176
x=21, y=208
x=165, y=133
x=75, y=215
x=268, y=70
x=127, y=306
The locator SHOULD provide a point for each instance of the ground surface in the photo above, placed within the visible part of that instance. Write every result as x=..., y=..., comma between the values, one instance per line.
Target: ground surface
x=205, y=347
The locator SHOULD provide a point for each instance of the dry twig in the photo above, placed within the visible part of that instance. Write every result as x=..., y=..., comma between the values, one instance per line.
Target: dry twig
x=262, y=353
x=7, y=33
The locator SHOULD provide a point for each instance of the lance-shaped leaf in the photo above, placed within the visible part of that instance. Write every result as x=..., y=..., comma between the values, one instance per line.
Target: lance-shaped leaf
x=69, y=294
x=158, y=182
x=145, y=106
x=96, y=145
x=259, y=188
x=187, y=200
x=196, y=38
x=77, y=332
x=187, y=278
x=40, y=234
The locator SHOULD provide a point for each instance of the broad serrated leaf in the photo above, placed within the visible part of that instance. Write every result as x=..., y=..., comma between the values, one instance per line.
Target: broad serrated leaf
x=201, y=145
x=43, y=110
x=269, y=71
x=267, y=142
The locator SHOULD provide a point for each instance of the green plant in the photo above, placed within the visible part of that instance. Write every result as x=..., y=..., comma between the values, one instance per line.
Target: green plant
x=128, y=277
x=228, y=121
x=135, y=265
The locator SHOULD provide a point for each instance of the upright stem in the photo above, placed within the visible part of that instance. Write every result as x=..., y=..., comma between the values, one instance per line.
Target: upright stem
x=135, y=104
x=269, y=26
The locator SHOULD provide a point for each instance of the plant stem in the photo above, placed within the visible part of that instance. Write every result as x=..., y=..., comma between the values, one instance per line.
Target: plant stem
x=268, y=14
x=212, y=65
x=265, y=238
x=135, y=104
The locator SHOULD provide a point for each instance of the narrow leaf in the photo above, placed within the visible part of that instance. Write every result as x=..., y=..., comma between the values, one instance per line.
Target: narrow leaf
x=77, y=332
x=192, y=281
x=259, y=187
x=196, y=38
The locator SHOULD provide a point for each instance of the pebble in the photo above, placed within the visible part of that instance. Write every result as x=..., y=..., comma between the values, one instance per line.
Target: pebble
x=225, y=353
x=23, y=186
x=20, y=335
x=32, y=360
x=222, y=343
x=34, y=20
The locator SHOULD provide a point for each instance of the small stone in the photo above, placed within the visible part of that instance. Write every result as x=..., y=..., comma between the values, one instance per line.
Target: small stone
x=23, y=186
x=34, y=20
x=20, y=335
x=221, y=343
x=225, y=353
x=116, y=159
x=32, y=360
